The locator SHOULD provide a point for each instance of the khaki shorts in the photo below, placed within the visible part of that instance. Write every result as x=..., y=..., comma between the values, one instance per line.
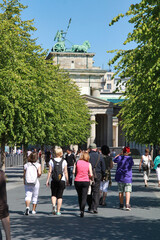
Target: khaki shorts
x=125, y=187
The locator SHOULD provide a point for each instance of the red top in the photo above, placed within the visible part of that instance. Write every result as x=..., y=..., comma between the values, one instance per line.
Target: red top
x=82, y=171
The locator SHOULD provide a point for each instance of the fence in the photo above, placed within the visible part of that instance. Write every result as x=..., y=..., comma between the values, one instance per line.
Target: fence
x=13, y=160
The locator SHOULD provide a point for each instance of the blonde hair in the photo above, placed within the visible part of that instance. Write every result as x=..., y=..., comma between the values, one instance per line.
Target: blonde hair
x=85, y=156
x=58, y=152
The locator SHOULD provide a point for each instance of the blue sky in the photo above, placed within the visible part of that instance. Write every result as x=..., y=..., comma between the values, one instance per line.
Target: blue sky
x=90, y=21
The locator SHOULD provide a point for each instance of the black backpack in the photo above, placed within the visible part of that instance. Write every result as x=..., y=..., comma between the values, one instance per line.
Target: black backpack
x=57, y=172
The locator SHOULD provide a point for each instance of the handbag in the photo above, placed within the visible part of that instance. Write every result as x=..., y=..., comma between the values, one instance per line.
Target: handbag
x=145, y=167
x=107, y=175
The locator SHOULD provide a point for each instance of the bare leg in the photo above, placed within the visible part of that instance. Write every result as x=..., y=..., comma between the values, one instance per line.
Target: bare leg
x=100, y=193
x=146, y=183
x=121, y=197
x=59, y=204
x=6, y=226
x=27, y=203
x=100, y=197
x=128, y=194
x=34, y=207
x=104, y=198
x=53, y=199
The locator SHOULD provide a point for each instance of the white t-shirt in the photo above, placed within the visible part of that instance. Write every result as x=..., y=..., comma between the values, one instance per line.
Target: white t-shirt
x=146, y=159
x=63, y=166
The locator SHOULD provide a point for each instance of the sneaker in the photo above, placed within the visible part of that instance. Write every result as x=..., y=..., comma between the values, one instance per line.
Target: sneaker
x=27, y=211
x=128, y=207
x=54, y=210
x=95, y=211
x=121, y=206
x=58, y=213
x=90, y=210
x=82, y=214
x=33, y=212
x=104, y=204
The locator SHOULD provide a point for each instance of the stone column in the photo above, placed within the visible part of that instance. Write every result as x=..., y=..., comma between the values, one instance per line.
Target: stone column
x=109, y=129
x=96, y=92
x=93, y=129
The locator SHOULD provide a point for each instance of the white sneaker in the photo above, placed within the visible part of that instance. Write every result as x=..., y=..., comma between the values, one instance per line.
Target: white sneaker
x=54, y=210
x=33, y=212
x=27, y=211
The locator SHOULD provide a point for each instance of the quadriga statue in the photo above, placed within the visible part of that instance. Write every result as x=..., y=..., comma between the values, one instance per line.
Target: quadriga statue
x=81, y=48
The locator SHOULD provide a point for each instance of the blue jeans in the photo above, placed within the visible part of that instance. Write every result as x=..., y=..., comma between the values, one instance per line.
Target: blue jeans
x=70, y=174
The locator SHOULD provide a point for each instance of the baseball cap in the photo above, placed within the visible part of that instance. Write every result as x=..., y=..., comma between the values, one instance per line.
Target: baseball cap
x=92, y=146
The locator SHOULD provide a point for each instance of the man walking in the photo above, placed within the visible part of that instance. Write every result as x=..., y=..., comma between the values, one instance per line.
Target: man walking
x=98, y=163
x=70, y=158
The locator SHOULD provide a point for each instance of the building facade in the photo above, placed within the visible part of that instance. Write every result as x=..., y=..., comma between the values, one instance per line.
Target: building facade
x=91, y=82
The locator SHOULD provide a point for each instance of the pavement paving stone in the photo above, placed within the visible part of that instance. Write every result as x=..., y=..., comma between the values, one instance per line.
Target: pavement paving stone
x=142, y=222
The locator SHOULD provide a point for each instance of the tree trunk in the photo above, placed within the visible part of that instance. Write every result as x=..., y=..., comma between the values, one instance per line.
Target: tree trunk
x=3, y=154
x=25, y=156
x=42, y=158
x=155, y=151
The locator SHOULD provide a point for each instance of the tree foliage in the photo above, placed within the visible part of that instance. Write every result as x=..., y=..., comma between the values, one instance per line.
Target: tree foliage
x=141, y=110
x=39, y=103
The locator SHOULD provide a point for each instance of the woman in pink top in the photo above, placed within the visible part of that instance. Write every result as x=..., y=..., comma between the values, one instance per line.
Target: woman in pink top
x=83, y=170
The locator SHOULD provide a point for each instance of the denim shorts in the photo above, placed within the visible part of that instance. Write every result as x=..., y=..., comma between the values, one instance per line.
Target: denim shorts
x=124, y=187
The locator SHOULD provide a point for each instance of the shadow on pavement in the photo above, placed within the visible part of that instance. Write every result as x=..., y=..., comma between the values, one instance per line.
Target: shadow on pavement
x=89, y=227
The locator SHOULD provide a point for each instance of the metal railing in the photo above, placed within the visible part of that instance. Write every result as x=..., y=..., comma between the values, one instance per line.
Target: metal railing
x=13, y=160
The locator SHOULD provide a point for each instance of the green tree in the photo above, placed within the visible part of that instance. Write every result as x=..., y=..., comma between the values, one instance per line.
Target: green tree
x=39, y=103
x=20, y=109
x=140, y=111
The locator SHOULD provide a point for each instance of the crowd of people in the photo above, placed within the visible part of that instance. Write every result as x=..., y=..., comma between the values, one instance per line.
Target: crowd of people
x=91, y=171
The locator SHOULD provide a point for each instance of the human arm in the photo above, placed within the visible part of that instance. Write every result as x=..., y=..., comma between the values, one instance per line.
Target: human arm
x=74, y=158
x=111, y=164
x=66, y=175
x=24, y=175
x=140, y=163
x=49, y=174
x=90, y=171
x=151, y=161
x=39, y=171
x=115, y=160
x=74, y=168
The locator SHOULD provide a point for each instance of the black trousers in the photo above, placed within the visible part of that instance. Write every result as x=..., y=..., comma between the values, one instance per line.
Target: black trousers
x=82, y=189
x=93, y=198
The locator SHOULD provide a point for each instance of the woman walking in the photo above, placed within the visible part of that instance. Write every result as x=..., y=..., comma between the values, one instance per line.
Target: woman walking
x=105, y=182
x=58, y=171
x=32, y=171
x=157, y=167
x=83, y=170
x=146, y=166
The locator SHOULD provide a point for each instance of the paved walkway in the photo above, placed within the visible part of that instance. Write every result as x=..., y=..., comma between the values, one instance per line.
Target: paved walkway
x=142, y=222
